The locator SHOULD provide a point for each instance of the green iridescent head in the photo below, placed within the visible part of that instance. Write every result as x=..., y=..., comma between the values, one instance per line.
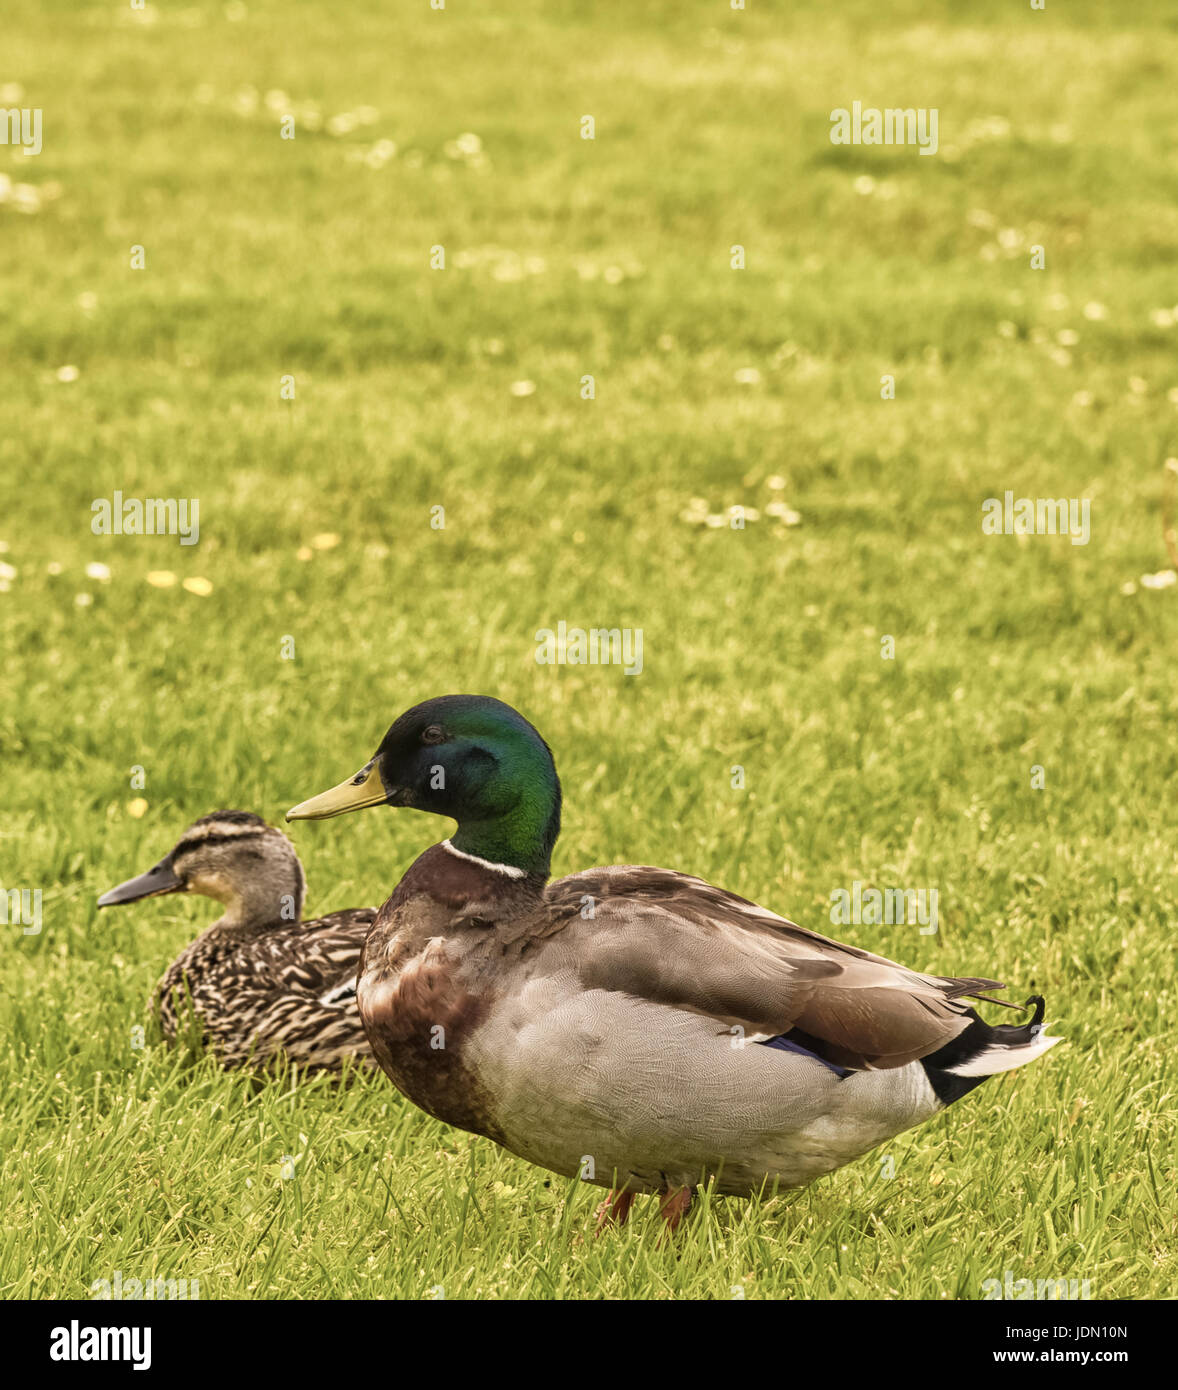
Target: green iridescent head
x=469, y=757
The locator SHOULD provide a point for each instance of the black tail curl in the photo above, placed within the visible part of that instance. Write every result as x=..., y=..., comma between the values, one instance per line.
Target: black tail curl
x=940, y=1066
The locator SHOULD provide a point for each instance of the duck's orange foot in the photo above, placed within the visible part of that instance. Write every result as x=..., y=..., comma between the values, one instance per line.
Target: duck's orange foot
x=615, y=1210
x=674, y=1206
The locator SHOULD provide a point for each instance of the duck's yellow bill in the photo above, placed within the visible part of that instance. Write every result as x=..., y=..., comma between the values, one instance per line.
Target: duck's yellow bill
x=365, y=789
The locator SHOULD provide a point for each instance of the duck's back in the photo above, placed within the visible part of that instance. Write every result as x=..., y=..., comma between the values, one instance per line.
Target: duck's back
x=290, y=989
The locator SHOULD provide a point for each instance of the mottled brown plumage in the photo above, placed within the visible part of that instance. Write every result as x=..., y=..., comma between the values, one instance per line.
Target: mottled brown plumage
x=261, y=982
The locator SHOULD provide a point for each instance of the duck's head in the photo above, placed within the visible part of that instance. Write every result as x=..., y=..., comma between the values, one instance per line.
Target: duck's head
x=469, y=757
x=232, y=856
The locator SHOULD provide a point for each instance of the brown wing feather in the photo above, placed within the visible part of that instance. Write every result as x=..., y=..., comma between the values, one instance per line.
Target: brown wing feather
x=680, y=941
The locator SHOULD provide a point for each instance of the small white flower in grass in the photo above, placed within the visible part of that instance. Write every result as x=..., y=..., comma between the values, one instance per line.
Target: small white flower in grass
x=776, y=483
x=1172, y=395
x=1058, y=302
x=161, y=579
x=523, y=388
x=1061, y=357
x=979, y=217
x=67, y=374
x=747, y=376
x=277, y=100
x=54, y=567
x=1007, y=329
x=7, y=571
x=380, y=154
x=11, y=93
x=1128, y=588
x=1138, y=385
x=614, y=275
x=1162, y=318
x=468, y=143
x=786, y=514
x=87, y=301
x=1010, y=238
x=137, y=807
x=666, y=342
x=1095, y=311
x=715, y=520
x=304, y=553
x=83, y=600
x=864, y=185
x=1067, y=337
x=1164, y=579
x=97, y=570
x=201, y=587
x=325, y=540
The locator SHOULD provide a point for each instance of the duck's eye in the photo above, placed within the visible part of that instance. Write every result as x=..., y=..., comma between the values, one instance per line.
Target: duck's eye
x=434, y=734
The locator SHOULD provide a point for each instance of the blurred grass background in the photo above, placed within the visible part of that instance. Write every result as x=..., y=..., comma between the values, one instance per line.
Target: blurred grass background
x=461, y=388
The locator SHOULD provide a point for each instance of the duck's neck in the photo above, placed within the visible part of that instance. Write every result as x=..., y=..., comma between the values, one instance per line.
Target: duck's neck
x=519, y=843
x=271, y=897
x=466, y=886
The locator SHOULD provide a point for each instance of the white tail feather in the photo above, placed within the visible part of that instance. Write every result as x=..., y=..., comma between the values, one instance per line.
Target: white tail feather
x=1000, y=1057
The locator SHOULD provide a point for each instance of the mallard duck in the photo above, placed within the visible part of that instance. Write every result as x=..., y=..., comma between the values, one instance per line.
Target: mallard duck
x=261, y=980
x=632, y=1026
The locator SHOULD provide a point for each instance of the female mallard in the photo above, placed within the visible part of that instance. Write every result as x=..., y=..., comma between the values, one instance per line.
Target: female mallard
x=261, y=980
x=599, y=1025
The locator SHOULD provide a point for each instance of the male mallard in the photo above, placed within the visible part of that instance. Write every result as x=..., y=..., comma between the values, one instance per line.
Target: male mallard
x=606, y=1025
x=261, y=980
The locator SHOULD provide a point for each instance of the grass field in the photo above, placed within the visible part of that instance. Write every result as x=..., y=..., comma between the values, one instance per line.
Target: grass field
x=462, y=388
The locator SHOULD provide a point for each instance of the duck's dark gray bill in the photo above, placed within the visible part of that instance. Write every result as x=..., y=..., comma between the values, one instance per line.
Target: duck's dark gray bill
x=155, y=881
